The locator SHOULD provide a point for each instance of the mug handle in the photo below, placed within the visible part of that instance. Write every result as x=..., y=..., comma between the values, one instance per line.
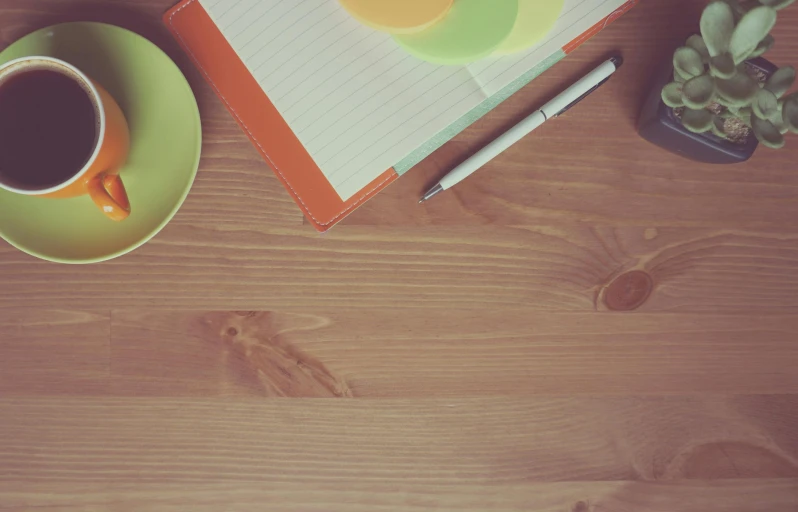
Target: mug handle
x=108, y=193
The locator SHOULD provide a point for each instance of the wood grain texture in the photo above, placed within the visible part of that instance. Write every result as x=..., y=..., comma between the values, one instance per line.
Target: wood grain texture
x=499, y=454
x=283, y=496
x=46, y=350
x=455, y=356
x=559, y=267
x=452, y=354
x=457, y=441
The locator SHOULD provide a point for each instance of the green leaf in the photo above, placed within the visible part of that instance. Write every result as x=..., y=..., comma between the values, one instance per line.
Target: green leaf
x=781, y=81
x=723, y=101
x=687, y=62
x=777, y=4
x=717, y=27
x=778, y=122
x=672, y=95
x=698, y=92
x=751, y=30
x=718, y=127
x=767, y=133
x=697, y=121
x=766, y=104
x=790, y=113
x=697, y=43
x=745, y=114
x=764, y=46
x=740, y=90
x=677, y=77
x=722, y=66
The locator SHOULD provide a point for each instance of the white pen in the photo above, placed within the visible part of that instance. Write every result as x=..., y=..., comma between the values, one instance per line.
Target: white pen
x=554, y=108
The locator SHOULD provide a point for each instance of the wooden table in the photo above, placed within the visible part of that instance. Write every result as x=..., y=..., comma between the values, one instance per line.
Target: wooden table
x=457, y=356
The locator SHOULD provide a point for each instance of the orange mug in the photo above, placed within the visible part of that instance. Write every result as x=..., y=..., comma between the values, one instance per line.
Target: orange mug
x=46, y=130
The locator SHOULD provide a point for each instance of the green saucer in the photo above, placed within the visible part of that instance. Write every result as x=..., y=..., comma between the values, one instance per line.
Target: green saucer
x=166, y=139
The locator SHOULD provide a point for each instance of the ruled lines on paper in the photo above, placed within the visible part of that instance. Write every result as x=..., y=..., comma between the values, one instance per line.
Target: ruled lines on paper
x=353, y=97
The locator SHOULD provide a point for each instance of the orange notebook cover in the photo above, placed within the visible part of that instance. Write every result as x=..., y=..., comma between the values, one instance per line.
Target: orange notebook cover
x=242, y=94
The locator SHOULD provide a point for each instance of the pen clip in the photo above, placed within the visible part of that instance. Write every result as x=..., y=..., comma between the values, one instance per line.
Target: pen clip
x=580, y=98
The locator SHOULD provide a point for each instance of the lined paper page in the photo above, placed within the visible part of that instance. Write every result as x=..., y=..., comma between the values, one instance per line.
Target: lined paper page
x=356, y=100
x=353, y=97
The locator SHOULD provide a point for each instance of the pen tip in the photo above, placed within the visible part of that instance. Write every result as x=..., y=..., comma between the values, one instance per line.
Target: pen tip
x=421, y=200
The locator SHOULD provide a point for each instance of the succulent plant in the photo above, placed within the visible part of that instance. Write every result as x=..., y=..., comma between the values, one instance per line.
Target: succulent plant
x=712, y=81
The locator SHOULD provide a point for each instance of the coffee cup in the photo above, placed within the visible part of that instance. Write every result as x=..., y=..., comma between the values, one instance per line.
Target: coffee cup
x=61, y=135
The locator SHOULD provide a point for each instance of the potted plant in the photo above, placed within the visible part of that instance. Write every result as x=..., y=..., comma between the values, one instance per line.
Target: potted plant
x=720, y=98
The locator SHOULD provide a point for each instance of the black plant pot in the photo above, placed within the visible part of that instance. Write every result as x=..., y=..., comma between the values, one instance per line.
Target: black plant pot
x=659, y=125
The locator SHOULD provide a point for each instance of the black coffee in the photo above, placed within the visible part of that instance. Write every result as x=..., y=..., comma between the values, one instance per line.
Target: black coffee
x=48, y=129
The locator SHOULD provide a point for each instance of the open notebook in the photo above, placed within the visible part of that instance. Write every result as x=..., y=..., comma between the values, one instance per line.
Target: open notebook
x=340, y=110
